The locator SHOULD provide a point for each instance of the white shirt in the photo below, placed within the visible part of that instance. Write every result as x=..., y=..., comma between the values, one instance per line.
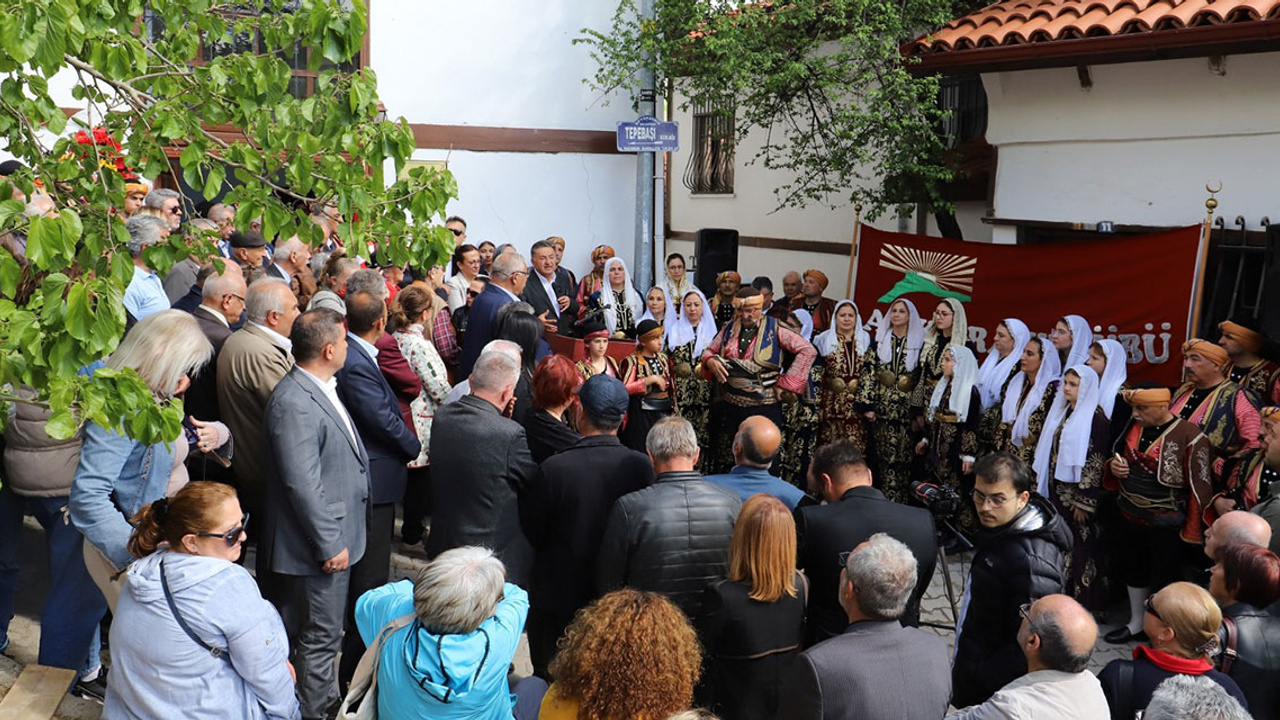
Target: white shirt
x=373, y=351
x=330, y=390
x=221, y=318
x=276, y=337
x=551, y=293
x=510, y=294
x=1043, y=695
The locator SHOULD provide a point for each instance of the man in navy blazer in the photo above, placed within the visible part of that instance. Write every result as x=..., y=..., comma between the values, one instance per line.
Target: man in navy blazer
x=390, y=444
x=507, y=279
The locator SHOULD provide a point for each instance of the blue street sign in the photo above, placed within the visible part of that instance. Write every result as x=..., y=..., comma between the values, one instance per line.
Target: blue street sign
x=647, y=134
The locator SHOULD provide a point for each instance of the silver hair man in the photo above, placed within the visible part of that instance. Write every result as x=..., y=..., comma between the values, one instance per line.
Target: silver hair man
x=505, y=266
x=1187, y=697
x=882, y=571
x=458, y=590
x=266, y=296
x=670, y=438
x=497, y=368
x=144, y=230
x=367, y=280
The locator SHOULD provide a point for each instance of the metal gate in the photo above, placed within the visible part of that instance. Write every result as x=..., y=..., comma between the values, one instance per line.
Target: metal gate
x=1242, y=275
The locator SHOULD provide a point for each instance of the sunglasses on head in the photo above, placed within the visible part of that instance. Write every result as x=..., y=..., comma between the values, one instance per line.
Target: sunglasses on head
x=232, y=536
x=1150, y=606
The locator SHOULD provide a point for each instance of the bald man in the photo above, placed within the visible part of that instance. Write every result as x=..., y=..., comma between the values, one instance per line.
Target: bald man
x=1237, y=526
x=791, y=284
x=1057, y=637
x=754, y=448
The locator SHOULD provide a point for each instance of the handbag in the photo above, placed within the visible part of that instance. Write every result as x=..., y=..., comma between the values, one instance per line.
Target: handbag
x=363, y=692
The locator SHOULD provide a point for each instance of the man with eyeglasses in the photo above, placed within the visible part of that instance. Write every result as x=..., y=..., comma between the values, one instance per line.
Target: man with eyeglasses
x=1021, y=548
x=1057, y=636
x=223, y=304
x=507, y=280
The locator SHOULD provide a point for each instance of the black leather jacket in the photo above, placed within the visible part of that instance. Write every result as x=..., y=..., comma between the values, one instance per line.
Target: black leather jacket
x=1257, y=663
x=671, y=537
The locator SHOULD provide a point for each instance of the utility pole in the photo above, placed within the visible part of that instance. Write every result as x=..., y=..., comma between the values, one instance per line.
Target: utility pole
x=644, y=171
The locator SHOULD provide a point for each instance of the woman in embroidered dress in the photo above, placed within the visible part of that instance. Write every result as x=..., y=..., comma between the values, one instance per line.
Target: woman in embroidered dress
x=799, y=411
x=1069, y=467
x=594, y=280
x=647, y=375
x=1071, y=337
x=951, y=426
x=655, y=302
x=597, y=360
x=1109, y=360
x=999, y=368
x=621, y=303
x=889, y=377
x=689, y=333
x=675, y=283
x=842, y=350
x=1027, y=400
x=949, y=327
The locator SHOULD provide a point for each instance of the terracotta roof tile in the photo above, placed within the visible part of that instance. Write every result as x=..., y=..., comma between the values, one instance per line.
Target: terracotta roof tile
x=1023, y=22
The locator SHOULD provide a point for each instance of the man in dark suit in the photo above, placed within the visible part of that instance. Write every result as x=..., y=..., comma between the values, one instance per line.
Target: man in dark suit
x=564, y=512
x=390, y=445
x=549, y=292
x=317, y=503
x=854, y=512
x=507, y=279
x=223, y=304
x=480, y=461
x=876, y=669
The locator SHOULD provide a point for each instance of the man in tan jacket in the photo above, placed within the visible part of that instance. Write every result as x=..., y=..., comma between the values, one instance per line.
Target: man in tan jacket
x=250, y=364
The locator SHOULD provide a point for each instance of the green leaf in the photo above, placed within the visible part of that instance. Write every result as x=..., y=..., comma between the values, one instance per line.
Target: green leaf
x=10, y=274
x=79, y=312
x=61, y=425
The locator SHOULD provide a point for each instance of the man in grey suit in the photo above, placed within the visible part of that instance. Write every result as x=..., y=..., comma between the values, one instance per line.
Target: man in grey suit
x=877, y=669
x=317, y=502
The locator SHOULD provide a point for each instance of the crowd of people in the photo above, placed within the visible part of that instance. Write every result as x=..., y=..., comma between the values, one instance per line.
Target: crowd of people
x=740, y=514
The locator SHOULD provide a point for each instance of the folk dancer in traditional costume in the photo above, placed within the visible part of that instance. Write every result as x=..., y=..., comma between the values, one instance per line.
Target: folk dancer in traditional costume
x=656, y=306
x=889, y=376
x=948, y=327
x=1027, y=400
x=1069, y=464
x=597, y=361
x=1162, y=468
x=842, y=350
x=810, y=298
x=1252, y=481
x=620, y=302
x=744, y=364
x=722, y=304
x=688, y=335
x=675, y=282
x=1000, y=367
x=1216, y=405
x=593, y=281
x=1071, y=337
x=951, y=428
x=647, y=375
x=1110, y=361
x=1257, y=376
x=800, y=411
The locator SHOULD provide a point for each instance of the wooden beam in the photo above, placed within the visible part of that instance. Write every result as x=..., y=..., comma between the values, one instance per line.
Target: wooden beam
x=479, y=138
x=37, y=693
x=811, y=246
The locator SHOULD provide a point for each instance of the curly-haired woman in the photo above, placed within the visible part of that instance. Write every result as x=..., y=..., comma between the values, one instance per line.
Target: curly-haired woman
x=630, y=654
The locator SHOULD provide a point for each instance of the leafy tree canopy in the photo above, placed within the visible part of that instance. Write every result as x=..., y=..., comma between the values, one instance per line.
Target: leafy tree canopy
x=822, y=81
x=146, y=76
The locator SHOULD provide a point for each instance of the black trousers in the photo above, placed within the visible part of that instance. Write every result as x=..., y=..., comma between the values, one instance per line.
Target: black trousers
x=373, y=570
x=417, y=504
x=1150, y=556
x=725, y=419
x=545, y=629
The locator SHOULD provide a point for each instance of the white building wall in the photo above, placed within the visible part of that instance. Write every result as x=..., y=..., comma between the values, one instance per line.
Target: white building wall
x=1140, y=145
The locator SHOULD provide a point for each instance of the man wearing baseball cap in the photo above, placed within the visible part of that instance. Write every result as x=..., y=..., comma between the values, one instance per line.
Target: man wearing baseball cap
x=564, y=511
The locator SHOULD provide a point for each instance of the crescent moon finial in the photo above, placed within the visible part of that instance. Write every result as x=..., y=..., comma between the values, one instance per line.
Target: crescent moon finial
x=1213, y=190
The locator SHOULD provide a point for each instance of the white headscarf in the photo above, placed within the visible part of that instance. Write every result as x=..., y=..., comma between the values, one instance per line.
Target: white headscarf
x=827, y=341
x=648, y=314
x=1113, y=375
x=1073, y=444
x=606, y=297
x=959, y=326
x=915, y=336
x=995, y=369
x=1081, y=339
x=1049, y=372
x=680, y=330
x=965, y=375
x=806, y=323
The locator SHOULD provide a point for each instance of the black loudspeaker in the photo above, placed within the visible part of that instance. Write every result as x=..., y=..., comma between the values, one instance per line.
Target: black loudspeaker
x=717, y=251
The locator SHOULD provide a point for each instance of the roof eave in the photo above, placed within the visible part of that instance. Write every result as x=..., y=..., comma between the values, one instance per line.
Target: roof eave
x=1229, y=39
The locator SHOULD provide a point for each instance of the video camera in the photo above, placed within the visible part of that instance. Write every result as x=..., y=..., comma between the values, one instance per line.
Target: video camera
x=942, y=501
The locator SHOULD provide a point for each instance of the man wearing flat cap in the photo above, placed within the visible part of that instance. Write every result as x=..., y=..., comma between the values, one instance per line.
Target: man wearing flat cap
x=1162, y=470
x=249, y=249
x=1211, y=402
x=811, y=299
x=744, y=366
x=1259, y=377
x=563, y=513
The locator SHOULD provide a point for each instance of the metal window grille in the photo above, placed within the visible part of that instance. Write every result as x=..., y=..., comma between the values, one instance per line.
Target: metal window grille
x=966, y=99
x=710, y=169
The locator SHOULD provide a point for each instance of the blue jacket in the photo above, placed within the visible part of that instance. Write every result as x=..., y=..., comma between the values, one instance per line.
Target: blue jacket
x=167, y=675
x=748, y=481
x=423, y=675
x=482, y=324
x=137, y=474
x=375, y=412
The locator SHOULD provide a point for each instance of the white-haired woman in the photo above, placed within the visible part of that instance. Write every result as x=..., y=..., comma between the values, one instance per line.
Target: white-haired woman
x=622, y=305
x=884, y=392
x=450, y=657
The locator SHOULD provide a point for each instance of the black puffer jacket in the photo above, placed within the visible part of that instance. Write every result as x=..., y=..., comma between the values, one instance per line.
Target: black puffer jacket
x=1015, y=564
x=1257, y=662
x=672, y=537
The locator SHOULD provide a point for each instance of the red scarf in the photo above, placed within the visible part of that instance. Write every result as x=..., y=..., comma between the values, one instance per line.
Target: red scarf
x=1172, y=663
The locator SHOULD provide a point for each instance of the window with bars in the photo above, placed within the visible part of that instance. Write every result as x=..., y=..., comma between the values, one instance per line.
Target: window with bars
x=966, y=100
x=710, y=169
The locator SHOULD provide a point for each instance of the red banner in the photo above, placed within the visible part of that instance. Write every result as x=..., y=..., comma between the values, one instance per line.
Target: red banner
x=1135, y=289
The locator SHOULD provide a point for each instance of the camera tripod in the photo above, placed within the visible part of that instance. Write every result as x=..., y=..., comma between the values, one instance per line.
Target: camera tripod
x=946, y=571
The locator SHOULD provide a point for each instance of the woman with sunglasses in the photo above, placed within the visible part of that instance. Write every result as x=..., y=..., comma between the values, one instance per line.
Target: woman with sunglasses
x=192, y=636
x=1181, y=622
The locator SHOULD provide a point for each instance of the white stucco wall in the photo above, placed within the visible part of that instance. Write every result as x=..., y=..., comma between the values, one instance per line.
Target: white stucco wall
x=1140, y=145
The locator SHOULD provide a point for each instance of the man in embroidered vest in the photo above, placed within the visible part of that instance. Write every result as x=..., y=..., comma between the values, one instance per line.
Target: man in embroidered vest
x=744, y=365
x=1214, y=404
x=1162, y=468
x=820, y=308
x=1244, y=342
x=1253, y=480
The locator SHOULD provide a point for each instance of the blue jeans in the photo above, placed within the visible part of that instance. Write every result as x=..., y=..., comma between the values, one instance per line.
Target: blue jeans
x=71, y=612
